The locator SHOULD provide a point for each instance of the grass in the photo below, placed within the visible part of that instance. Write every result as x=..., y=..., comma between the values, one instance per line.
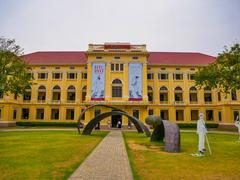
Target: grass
x=44, y=154
x=149, y=161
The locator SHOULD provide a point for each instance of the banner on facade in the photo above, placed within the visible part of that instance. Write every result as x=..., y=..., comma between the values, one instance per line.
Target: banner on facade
x=135, y=81
x=98, y=81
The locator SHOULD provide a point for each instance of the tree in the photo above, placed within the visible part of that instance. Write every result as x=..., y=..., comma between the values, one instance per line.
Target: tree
x=14, y=73
x=224, y=73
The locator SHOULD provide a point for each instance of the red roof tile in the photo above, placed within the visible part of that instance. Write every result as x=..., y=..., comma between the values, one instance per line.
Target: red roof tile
x=79, y=57
x=61, y=57
x=179, y=58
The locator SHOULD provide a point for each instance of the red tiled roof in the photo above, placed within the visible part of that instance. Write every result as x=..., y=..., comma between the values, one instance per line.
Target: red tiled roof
x=79, y=57
x=59, y=58
x=179, y=58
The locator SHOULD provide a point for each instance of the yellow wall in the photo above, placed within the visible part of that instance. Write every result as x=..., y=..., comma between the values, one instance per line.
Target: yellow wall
x=8, y=103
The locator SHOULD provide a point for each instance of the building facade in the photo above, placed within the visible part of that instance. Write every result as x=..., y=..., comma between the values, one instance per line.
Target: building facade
x=122, y=75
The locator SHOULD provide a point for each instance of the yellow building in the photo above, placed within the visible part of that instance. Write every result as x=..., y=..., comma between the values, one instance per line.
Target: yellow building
x=122, y=75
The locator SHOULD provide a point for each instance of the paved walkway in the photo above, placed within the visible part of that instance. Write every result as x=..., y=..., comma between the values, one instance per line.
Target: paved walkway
x=108, y=161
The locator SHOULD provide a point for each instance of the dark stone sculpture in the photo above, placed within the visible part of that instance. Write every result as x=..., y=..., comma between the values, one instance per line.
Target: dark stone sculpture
x=92, y=123
x=166, y=131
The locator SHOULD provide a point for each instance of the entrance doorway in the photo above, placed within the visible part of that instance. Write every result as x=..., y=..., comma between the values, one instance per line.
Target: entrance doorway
x=115, y=119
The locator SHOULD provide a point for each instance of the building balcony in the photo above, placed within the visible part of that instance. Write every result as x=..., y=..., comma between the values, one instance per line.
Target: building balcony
x=41, y=101
x=163, y=102
x=208, y=102
x=179, y=102
x=56, y=101
x=193, y=102
x=71, y=101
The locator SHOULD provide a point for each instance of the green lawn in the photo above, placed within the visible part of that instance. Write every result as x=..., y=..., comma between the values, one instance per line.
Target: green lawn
x=44, y=154
x=149, y=161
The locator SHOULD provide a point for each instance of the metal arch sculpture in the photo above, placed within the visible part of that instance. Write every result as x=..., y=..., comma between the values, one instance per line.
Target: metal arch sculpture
x=138, y=124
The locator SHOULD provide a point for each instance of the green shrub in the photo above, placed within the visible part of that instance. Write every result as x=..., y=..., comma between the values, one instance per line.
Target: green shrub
x=46, y=124
x=194, y=125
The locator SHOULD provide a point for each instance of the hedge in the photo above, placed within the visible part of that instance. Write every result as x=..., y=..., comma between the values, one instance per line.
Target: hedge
x=194, y=125
x=46, y=124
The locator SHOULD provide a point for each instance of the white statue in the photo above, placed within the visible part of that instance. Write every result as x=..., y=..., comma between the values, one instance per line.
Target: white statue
x=96, y=88
x=201, y=131
x=237, y=124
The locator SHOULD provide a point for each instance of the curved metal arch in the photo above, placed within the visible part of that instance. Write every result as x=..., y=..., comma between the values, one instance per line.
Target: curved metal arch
x=88, y=129
x=144, y=128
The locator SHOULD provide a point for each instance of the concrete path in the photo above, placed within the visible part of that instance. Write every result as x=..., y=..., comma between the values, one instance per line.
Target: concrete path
x=108, y=161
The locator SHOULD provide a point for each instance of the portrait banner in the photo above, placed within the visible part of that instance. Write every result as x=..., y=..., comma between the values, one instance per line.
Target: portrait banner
x=135, y=81
x=98, y=82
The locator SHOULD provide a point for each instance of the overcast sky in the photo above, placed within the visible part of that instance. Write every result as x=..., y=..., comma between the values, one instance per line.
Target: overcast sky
x=164, y=25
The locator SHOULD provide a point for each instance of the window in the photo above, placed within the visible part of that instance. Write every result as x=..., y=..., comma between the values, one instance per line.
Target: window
x=121, y=67
x=219, y=116
x=179, y=115
x=40, y=114
x=1, y=95
x=116, y=57
x=163, y=94
x=194, y=115
x=57, y=67
x=219, y=96
x=150, y=94
x=14, y=114
x=207, y=95
x=192, y=69
x=234, y=95
x=191, y=76
x=56, y=96
x=177, y=69
x=71, y=75
x=84, y=93
x=112, y=67
x=71, y=67
x=27, y=94
x=117, y=67
x=43, y=67
x=178, y=94
x=25, y=113
x=71, y=94
x=83, y=117
x=209, y=115
x=70, y=114
x=163, y=69
x=15, y=96
x=235, y=115
x=42, y=76
x=41, y=93
x=178, y=76
x=55, y=114
x=99, y=57
x=136, y=113
x=117, y=88
x=164, y=114
x=150, y=112
x=0, y=113
x=57, y=75
x=193, y=95
x=84, y=75
x=150, y=76
x=163, y=76
x=135, y=57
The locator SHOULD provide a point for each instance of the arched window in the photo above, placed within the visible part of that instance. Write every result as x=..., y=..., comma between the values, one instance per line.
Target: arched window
x=116, y=88
x=207, y=95
x=84, y=93
x=150, y=94
x=71, y=94
x=56, y=97
x=27, y=94
x=193, y=95
x=178, y=95
x=163, y=95
x=41, y=93
x=234, y=95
